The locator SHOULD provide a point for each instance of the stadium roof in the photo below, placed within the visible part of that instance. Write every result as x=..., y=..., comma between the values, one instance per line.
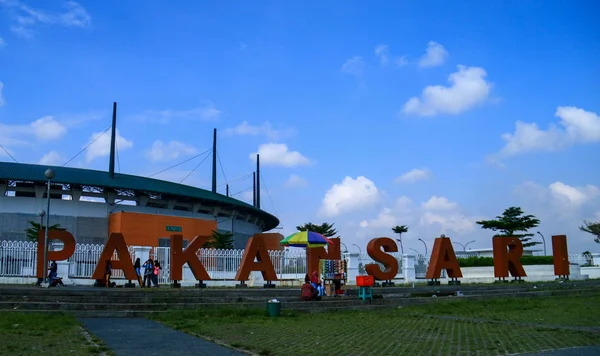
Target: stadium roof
x=86, y=177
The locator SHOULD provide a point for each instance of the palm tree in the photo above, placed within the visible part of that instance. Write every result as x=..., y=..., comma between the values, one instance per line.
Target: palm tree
x=400, y=229
x=33, y=230
x=324, y=229
x=220, y=240
x=592, y=228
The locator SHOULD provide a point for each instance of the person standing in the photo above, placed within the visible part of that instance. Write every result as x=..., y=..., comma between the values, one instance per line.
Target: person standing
x=107, y=273
x=148, y=272
x=137, y=266
x=157, y=269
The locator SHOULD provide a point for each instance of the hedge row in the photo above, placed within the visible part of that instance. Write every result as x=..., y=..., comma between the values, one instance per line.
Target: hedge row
x=475, y=261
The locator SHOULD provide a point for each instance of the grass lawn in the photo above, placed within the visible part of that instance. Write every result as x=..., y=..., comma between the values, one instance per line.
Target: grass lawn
x=573, y=310
x=24, y=334
x=394, y=332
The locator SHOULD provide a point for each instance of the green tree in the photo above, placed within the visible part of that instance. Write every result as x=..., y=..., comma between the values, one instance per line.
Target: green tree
x=34, y=228
x=510, y=223
x=220, y=240
x=324, y=229
x=591, y=228
x=400, y=229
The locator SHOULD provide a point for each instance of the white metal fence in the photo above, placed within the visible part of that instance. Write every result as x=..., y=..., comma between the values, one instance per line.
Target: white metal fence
x=18, y=258
x=82, y=263
x=222, y=265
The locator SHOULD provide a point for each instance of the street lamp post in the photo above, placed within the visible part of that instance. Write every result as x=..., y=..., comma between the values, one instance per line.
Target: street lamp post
x=467, y=244
x=544, y=240
x=417, y=252
x=358, y=247
x=424, y=244
x=461, y=245
x=345, y=248
x=49, y=174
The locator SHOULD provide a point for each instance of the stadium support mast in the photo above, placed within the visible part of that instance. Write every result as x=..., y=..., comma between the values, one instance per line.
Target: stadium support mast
x=214, y=163
x=258, y=181
x=254, y=189
x=113, y=142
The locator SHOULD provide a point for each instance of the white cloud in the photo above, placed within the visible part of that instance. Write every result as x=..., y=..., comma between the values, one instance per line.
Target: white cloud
x=402, y=61
x=354, y=66
x=414, y=175
x=207, y=112
x=468, y=89
x=574, y=196
x=578, y=127
x=382, y=52
x=265, y=129
x=349, y=195
x=51, y=158
x=435, y=216
x=435, y=55
x=27, y=17
x=1, y=88
x=172, y=150
x=47, y=129
x=436, y=203
x=44, y=129
x=278, y=154
x=295, y=181
x=100, y=145
x=2, y=42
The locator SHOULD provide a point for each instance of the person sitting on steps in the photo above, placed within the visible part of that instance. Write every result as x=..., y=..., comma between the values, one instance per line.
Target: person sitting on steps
x=308, y=291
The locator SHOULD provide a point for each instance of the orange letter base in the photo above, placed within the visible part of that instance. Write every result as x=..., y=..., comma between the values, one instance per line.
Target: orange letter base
x=443, y=257
x=256, y=249
x=508, y=260
x=374, y=249
x=179, y=257
x=562, y=269
x=115, y=242
x=68, y=249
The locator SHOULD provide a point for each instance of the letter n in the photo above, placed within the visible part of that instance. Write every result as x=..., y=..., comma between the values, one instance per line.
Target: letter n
x=179, y=257
x=374, y=249
x=443, y=257
x=116, y=242
x=256, y=249
x=67, y=251
x=561, y=256
x=507, y=257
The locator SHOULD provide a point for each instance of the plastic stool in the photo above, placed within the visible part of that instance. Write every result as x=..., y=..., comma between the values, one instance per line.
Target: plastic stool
x=365, y=293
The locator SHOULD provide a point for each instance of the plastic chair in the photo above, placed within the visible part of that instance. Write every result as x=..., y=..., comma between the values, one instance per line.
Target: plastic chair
x=365, y=293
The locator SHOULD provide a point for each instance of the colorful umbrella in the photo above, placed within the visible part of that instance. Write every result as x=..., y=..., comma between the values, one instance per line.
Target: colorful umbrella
x=307, y=239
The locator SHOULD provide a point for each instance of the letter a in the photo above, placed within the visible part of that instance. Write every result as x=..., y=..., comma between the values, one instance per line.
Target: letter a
x=389, y=262
x=67, y=251
x=507, y=260
x=443, y=257
x=561, y=256
x=179, y=257
x=116, y=242
x=255, y=249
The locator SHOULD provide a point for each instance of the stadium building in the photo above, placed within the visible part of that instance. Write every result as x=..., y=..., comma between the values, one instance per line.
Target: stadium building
x=145, y=210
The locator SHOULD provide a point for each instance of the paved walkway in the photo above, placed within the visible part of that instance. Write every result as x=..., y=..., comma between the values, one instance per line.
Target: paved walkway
x=139, y=336
x=574, y=351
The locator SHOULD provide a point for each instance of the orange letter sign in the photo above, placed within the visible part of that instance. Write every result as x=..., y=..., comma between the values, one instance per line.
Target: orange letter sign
x=443, y=257
x=389, y=262
x=68, y=249
x=314, y=255
x=561, y=257
x=256, y=249
x=507, y=260
x=179, y=257
x=115, y=242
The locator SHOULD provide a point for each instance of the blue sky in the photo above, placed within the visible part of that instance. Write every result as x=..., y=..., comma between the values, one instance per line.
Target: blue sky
x=366, y=114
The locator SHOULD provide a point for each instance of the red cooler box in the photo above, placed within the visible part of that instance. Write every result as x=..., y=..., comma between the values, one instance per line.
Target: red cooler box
x=365, y=281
